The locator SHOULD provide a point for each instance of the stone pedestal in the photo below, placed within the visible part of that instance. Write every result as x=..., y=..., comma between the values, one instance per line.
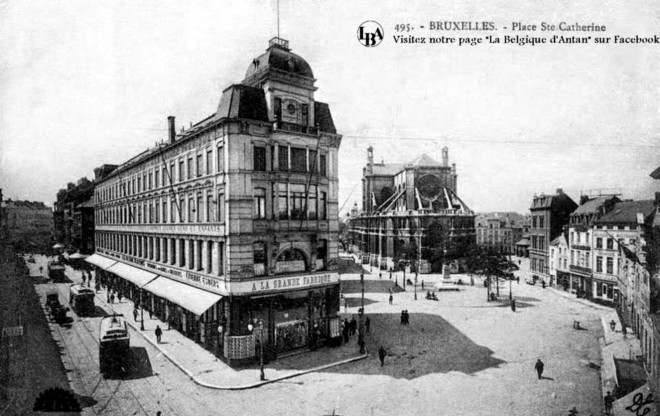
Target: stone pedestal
x=446, y=283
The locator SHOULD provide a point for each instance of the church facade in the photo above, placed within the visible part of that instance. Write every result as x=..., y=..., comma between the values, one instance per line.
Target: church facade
x=411, y=215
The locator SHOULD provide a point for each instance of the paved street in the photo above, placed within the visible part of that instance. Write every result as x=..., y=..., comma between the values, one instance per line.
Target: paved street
x=459, y=355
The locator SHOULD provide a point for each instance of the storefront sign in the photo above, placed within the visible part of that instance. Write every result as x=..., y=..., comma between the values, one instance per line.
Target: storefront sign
x=283, y=283
x=191, y=277
x=290, y=266
x=168, y=228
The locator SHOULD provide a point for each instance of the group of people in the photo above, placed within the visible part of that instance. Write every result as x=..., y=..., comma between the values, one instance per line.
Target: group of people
x=405, y=318
x=349, y=329
x=431, y=295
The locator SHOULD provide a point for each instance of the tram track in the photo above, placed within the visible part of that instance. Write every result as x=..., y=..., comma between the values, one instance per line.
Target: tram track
x=116, y=396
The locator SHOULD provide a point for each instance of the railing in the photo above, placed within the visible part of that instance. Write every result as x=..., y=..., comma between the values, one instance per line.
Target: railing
x=579, y=269
x=296, y=128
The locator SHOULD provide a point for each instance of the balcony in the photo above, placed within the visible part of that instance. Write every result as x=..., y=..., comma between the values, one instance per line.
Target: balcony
x=580, y=269
x=580, y=247
x=295, y=128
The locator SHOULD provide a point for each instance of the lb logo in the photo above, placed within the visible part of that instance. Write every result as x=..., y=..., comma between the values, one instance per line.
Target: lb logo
x=370, y=33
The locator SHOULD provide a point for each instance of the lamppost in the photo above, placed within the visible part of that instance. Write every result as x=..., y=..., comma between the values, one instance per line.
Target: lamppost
x=141, y=312
x=262, y=376
x=361, y=329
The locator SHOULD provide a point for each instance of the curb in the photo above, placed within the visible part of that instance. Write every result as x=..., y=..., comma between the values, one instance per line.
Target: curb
x=243, y=387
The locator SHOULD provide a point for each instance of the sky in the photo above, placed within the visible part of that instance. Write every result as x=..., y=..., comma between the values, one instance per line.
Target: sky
x=83, y=83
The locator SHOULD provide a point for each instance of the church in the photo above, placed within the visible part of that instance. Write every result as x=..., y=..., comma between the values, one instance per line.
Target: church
x=411, y=210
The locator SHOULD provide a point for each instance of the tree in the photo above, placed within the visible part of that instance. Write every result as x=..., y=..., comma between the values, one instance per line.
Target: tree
x=487, y=262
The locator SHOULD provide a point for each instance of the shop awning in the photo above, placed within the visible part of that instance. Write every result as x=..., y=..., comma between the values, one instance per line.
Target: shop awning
x=134, y=275
x=100, y=261
x=195, y=300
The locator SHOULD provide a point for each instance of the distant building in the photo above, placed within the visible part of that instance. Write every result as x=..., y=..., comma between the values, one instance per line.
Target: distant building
x=550, y=213
x=73, y=216
x=408, y=209
x=500, y=231
x=28, y=224
x=581, y=241
x=559, y=269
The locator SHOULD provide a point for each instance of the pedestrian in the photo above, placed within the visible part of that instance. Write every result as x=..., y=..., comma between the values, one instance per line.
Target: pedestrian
x=41, y=269
x=539, y=368
x=403, y=317
x=151, y=314
x=422, y=285
x=84, y=278
x=119, y=296
x=609, y=399
x=159, y=333
x=97, y=286
x=390, y=274
x=135, y=314
x=407, y=317
x=353, y=326
x=518, y=279
x=112, y=298
x=381, y=355
x=345, y=305
x=391, y=298
x=513, y=305
x=345, y=333
x=380, y=275
x=367, y=324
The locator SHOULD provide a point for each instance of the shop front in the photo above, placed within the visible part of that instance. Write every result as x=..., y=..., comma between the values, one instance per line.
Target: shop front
x=285, y=321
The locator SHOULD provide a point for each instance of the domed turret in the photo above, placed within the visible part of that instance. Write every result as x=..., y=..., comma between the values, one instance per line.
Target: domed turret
x=277, y=59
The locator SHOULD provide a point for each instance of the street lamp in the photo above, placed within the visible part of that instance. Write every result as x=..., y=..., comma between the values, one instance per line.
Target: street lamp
x=361, y=329
x=262, y=376
x=141, y=312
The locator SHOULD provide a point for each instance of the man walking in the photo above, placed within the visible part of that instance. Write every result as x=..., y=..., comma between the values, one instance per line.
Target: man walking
x=159, y=333
x=539, y=368
x=367, y=324
x=609, y=399
x=391, y=298
x=135, y=314
x=381, y=355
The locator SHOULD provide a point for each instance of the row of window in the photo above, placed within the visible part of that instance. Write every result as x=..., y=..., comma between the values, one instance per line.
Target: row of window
x=291, y=159
x=538, y=242
x=199, y=207
x=287, y=158
x=538, y=220
x=185, y=168
x=197, y=255
x=294, y=201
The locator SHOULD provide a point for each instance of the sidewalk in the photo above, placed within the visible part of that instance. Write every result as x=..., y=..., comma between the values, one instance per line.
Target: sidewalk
x=614, y=345
x=209, y=371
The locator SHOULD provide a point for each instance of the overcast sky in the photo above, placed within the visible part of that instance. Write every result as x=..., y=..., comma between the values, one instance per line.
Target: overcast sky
x=88, y=82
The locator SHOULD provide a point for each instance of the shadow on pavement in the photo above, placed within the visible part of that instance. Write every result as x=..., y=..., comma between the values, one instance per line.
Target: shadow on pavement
x=370, y=286
x=429, y=344
x=356, y=302
x=86, y=401
x=136, y=366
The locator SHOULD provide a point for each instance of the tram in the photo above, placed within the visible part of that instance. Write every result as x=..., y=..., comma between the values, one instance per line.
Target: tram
x=81, y=299
x=56, y=271
x=114, y=343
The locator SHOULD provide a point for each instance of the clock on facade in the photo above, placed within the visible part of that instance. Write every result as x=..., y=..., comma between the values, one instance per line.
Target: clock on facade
x=291, y=109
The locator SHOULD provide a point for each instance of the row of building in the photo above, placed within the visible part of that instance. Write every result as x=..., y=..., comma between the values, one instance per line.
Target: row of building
x=605, y=249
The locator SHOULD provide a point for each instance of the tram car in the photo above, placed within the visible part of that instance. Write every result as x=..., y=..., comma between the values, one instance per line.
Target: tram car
x=114, y=343
x=56, y=271
x=81, y=299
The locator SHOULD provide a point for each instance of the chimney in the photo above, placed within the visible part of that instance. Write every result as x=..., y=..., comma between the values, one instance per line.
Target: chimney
x=172, y=130
x=583, y=199
x=560, y=191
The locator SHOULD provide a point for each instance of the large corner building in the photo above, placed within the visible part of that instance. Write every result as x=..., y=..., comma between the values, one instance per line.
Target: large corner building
x=229, y=230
